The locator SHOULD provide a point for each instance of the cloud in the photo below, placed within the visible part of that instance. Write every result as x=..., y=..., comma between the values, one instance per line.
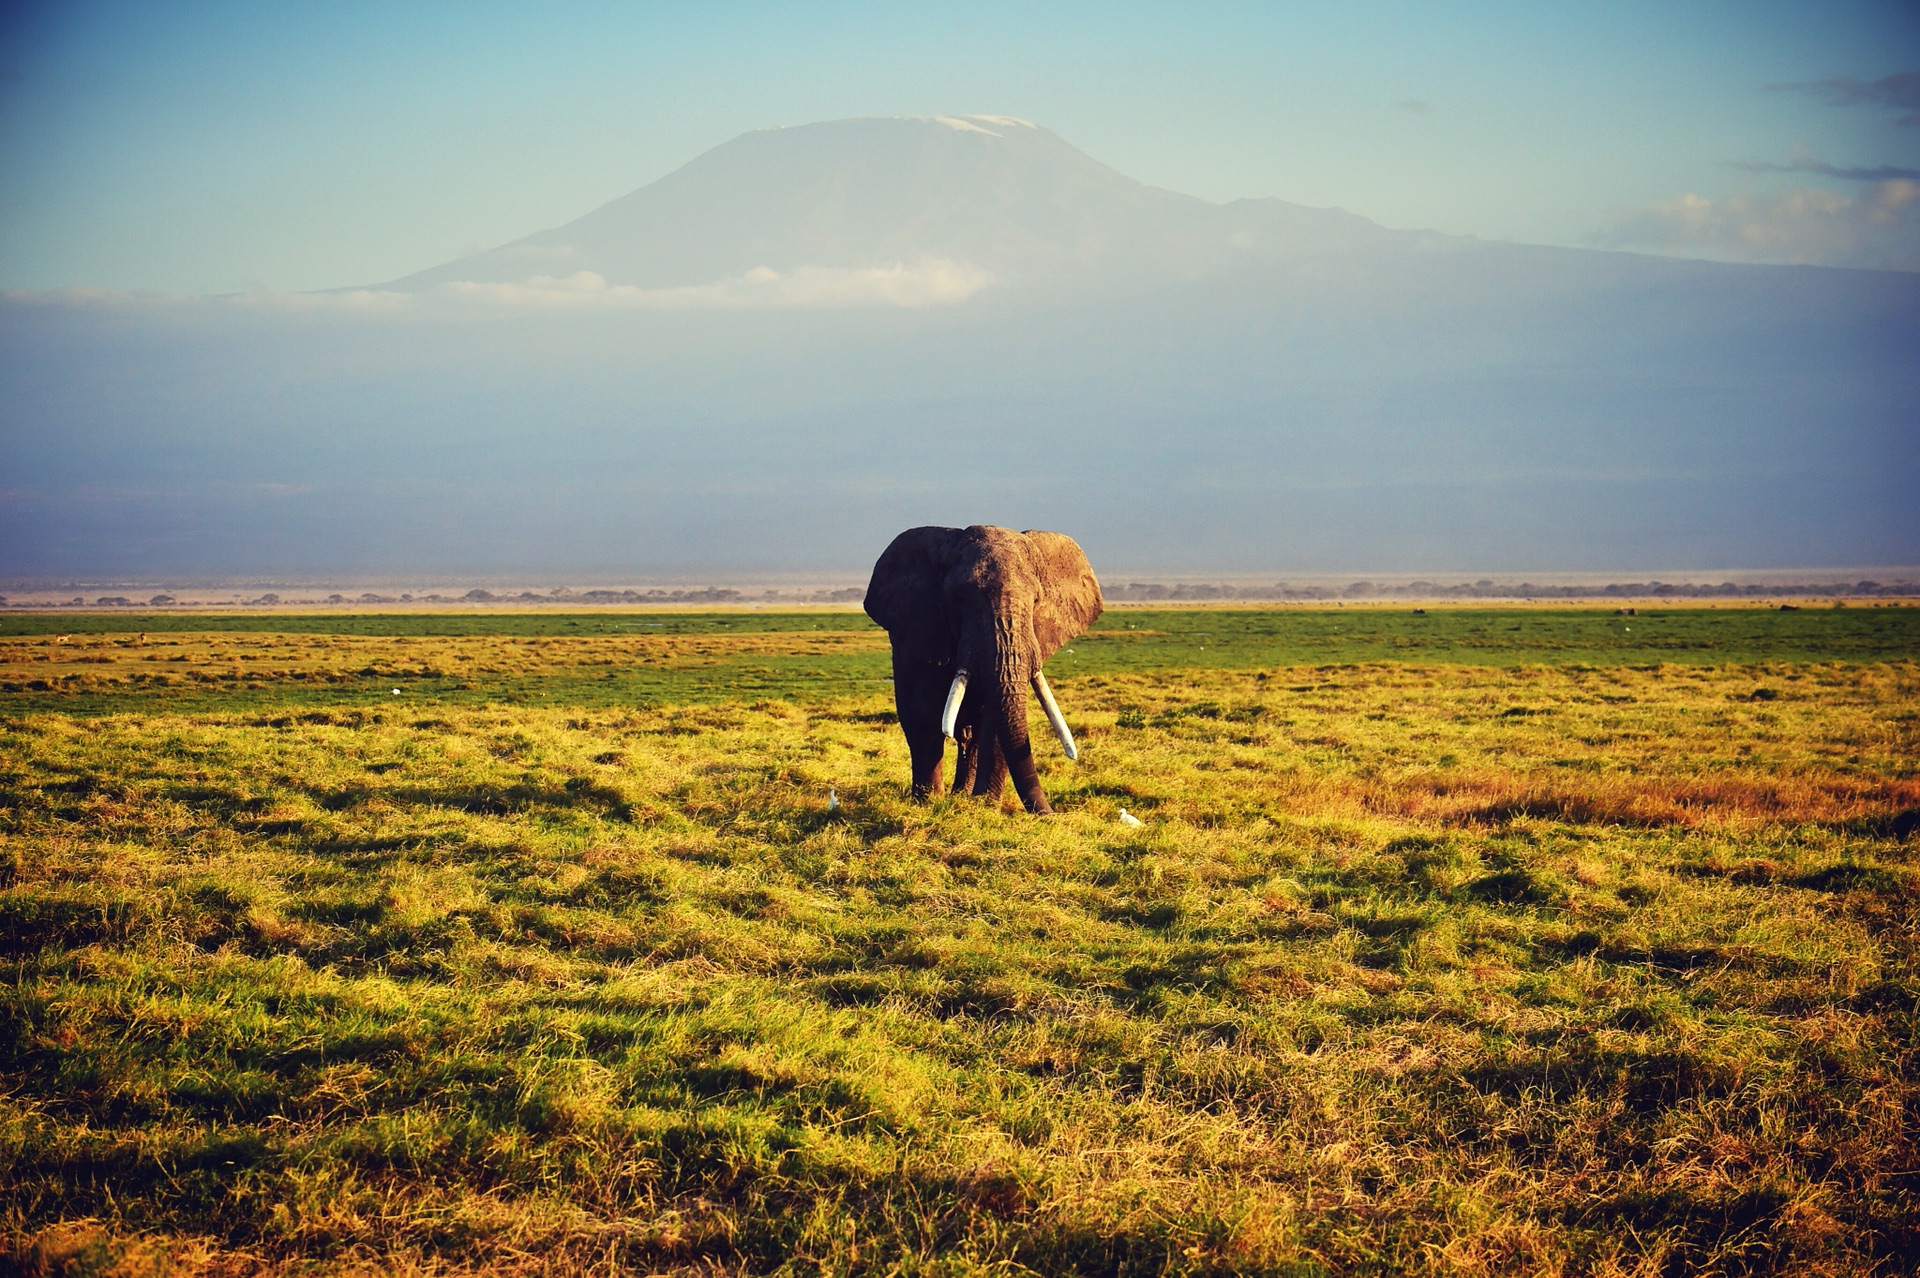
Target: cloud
x=1898, y=92
x=1878, y=228
x=936, y=282
x=1880, y=173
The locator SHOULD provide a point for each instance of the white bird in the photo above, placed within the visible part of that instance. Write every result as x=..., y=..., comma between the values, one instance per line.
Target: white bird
x=1128, y=818
x=396, y=692
x=833, y=800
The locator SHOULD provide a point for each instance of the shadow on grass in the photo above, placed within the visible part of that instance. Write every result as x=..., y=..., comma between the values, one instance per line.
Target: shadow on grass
x=1850, y=877
x=1749, y=1231
x=1644, y=1082
x=489, y=800
x=38, y=918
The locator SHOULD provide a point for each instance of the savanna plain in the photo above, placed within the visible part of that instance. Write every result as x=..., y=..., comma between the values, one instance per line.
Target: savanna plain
x=1525, y=941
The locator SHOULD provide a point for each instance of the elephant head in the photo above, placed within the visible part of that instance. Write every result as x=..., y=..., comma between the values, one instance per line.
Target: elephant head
x=972, y=613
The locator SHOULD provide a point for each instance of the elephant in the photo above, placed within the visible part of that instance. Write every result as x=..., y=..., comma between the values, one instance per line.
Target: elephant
x=971, y=614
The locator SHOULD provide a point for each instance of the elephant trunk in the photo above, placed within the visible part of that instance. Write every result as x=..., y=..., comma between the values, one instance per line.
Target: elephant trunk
x=1017, y=748
x=1000, y=664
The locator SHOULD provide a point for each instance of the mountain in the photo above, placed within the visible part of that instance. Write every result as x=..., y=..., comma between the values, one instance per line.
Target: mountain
x=807, y=339
x=1001, y=196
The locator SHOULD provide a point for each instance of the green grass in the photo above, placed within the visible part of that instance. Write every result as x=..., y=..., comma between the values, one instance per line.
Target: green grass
x=1515, y=953
x=1256, y=636
x=704, y=657
x=1250, y=638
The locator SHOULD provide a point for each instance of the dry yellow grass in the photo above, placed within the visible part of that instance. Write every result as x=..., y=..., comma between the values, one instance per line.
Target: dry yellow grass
x=1429, y=968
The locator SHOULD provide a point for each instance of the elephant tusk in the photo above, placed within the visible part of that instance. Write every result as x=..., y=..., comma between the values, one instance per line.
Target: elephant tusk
x=950, y=717
x=1058, y=720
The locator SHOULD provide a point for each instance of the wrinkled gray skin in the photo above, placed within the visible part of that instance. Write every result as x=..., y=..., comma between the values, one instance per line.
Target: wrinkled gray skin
x=991, y=602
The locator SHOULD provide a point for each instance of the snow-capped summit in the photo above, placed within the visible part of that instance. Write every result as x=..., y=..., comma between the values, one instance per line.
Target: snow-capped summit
x=979, y=123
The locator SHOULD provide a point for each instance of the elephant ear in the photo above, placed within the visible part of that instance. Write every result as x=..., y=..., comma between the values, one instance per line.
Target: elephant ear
x=1069, y=594
x=904, y=594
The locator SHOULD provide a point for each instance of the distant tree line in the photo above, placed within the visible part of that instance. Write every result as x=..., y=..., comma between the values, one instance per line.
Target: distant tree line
x=1130, y=592
x=1148, y=591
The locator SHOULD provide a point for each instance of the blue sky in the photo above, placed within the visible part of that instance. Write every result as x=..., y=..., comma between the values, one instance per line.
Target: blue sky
x=200, y=147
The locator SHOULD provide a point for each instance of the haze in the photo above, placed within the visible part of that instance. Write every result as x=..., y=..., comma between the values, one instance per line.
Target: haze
x=1230, y=293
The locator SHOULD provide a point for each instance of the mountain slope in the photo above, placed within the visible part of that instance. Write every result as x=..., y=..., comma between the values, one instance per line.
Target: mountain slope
x=1005, y=197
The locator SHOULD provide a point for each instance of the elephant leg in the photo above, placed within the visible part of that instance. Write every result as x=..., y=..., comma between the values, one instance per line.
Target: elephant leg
x=1026, y=778
x=991, y=777
x=926, y=749
x=967, y=759
x=918, y=695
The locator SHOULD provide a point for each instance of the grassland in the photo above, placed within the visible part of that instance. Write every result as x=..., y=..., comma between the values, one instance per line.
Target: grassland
x=1527, y=941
